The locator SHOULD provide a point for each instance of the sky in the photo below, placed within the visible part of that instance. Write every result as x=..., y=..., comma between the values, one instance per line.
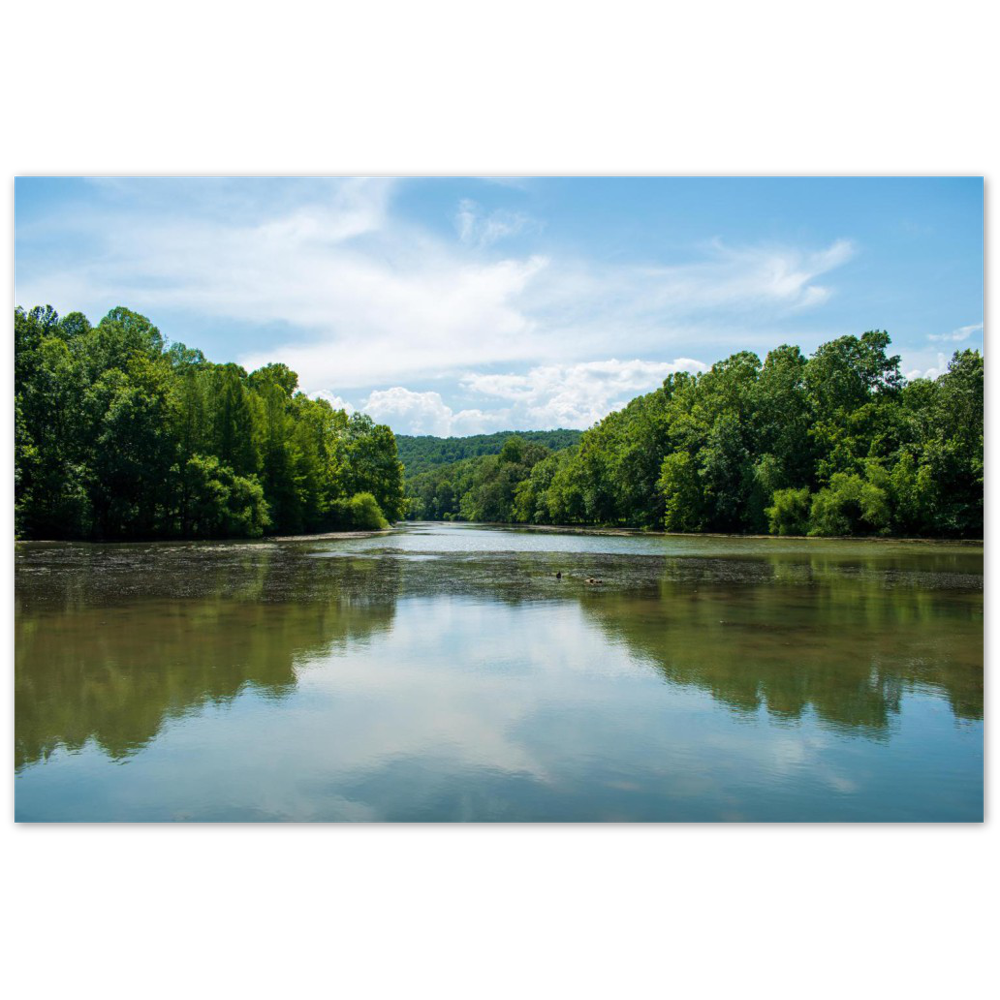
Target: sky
x=455, y=306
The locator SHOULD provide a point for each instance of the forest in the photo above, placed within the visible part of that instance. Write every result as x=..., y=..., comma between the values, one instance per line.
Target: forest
x=423, y=452
x=120, y=435
x=839, y=443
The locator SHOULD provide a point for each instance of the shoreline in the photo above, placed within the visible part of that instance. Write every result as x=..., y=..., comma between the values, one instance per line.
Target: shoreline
x=580, y=529
x=329, y=535
x=560, y=529
x=323, y=536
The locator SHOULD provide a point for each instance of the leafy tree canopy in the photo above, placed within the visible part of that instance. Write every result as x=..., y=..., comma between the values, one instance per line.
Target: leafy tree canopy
x=120, y=435
x=835, y=444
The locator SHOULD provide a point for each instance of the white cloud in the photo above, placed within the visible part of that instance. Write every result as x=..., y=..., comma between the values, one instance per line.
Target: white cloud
x=543, y=398
x=575, y=395
x=962, y=333
x=479, y=229
x=436, y=317
x=411, y=412
x=334, y=400
x=369, y=300
x=933, y=372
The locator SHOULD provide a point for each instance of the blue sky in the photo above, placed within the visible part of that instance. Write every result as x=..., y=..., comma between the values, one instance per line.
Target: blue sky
x=460, y=305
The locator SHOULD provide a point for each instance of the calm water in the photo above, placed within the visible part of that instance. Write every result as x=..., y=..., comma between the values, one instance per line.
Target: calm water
x=443, y=673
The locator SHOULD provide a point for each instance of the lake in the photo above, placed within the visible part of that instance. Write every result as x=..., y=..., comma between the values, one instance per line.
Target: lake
x=443, y=672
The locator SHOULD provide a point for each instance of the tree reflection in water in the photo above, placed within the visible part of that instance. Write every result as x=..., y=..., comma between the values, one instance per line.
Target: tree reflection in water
x=96, y=661
x=111, y=641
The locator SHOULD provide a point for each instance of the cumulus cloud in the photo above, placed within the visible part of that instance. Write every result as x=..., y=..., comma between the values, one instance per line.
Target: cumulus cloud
x=428, y=318
x=962, y=333
x=334, y=400
x=575, y=395
x=919, y=362
x=545, y=397
x=933, y=372
x=410, y=412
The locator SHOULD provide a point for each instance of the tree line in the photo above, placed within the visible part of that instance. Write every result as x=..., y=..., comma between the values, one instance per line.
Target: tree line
x=120, y=435
x=839, y=443
x=418, y=453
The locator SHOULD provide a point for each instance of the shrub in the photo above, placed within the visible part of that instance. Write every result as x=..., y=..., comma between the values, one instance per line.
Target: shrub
x=360, y=512
x=850, y=505
x=789, y=513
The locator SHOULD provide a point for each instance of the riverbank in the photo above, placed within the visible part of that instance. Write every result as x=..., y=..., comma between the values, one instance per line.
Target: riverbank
x=598, y=530
x=557, y=529
x=331, y=535
x=321, y=537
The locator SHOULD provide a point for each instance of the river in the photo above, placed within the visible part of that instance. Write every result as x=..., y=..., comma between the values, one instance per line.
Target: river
x=444, y=672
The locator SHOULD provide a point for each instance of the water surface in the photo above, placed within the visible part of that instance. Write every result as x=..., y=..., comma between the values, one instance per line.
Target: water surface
x=443, y=672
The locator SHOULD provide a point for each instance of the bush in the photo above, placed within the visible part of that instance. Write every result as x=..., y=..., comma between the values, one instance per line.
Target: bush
x=850, y=505
x=359, y=513
x=836, y=508
x=789, y=513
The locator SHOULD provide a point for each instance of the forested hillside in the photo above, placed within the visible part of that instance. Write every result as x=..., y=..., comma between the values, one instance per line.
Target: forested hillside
x=423, y=452
x=835, y=444
x=118, y=435
x=476, y=489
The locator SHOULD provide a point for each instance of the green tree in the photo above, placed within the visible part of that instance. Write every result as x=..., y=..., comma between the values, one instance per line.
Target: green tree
x=216, y=503
x=373, y=466
x=118, y=435
x=684, y=501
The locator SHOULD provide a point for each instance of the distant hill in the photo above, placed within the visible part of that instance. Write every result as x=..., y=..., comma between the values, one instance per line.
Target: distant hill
x=423, y=452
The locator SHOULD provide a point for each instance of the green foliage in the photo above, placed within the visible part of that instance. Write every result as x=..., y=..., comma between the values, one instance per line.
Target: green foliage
x=372, y=465
x=485, y=488
x=789, y=512
x=421, y=453
x=360, y=512
x=914, y=494
x=216, y=503
x=835, y=444
x=850, y=505
x=684, y=499
x=727, y=472
x=118, y=435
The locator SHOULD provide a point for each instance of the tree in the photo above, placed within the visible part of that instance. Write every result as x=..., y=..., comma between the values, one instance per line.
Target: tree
x=216, y=503
x=118, y=435
x=373, y=465
x=684, y=501
x=237, y=419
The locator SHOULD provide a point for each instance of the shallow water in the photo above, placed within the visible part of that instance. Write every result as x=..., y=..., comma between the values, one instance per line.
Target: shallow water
x=442, y=672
